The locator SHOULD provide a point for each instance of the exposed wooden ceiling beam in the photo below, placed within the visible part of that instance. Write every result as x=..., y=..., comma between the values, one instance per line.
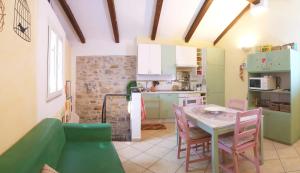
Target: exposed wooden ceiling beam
x=113, y=19
x=247, y=8
x=198, y=19
x=159, y=4
x=72, y=19
x=254, y=1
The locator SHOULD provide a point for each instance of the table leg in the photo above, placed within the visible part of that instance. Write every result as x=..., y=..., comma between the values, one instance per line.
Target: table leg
x=261, y=141
x=215, y=153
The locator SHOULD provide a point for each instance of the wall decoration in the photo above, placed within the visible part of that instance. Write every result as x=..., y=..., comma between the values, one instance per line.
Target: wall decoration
x=2, y=14
x=22, y=20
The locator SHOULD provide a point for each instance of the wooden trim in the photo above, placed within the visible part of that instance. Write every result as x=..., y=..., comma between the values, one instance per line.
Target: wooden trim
x=159, y=4
x=254, y=1
x=113, y=19
x=247, y=8
x=72, y=19
x=198, y=19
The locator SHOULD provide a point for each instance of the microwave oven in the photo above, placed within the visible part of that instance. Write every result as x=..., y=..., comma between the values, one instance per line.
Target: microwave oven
x=262, y=83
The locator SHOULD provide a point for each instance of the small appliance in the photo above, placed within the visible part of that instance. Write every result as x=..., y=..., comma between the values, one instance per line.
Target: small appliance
x=262, y=83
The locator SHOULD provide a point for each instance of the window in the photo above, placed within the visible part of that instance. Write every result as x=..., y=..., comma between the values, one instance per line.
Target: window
x=55, y=65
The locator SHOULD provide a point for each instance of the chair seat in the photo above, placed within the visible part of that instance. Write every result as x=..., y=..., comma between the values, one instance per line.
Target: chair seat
x=197, y=133
x=227, y=140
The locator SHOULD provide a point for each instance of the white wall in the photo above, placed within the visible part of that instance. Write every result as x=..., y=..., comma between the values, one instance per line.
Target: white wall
x=280, y=24
x=46, y=18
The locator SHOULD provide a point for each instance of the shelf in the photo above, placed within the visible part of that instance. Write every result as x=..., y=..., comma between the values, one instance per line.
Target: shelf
x=269, y=110
x=272, y=91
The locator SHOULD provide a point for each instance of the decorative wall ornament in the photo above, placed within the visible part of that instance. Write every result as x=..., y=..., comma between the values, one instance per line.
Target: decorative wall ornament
x=2, y=14
x=22, y=20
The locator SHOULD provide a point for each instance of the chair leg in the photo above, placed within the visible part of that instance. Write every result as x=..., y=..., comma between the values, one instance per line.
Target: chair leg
x=256, y=158
x=235, y=162
x=179, y=147
x=187, y=158
x=223, y=156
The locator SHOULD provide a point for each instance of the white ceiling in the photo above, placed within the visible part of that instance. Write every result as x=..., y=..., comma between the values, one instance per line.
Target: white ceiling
x=135, y=18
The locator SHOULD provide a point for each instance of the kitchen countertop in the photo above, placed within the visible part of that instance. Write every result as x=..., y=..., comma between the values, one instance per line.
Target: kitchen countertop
x=173, y=92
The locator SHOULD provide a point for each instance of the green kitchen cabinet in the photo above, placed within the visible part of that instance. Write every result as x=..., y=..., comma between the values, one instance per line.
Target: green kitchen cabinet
x=168, y=59
x=275, y=61
x=152, y=103
x=277, y=125
x=166, y=103
x=215, y=75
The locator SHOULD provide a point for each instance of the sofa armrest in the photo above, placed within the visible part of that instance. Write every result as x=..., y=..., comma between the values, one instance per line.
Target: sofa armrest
x=87, y=132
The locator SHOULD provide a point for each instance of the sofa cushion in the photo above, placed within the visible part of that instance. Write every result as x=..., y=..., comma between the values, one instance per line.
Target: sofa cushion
x=43, y=144
x=89, y=157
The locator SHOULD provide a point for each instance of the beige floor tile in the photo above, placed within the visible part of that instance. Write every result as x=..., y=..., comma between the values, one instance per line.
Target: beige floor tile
x=270, y=154
x=148, y=171
x=291, y=164
x=287, y=152
x=272, y=166
x=280, y=145
x=172, y=157
x=120, y=145
x=123, y=159
x=158, y=151
x=129, y=152
x=153, y=140
x=144, y=160
x=142, y=146
x=164, y=166
x=131, y=167
x=191, y=170
x=168, y=144
x=268, y=145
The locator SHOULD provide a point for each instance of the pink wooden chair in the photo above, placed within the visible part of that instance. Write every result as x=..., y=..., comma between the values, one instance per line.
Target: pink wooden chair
x=246, y=136
x=193, y=137
x=238, y=104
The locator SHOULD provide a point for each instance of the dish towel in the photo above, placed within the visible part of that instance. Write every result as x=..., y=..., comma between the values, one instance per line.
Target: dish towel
x=143, y=111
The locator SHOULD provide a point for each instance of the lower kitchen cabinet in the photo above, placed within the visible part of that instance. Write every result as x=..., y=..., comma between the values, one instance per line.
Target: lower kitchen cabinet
x=277, y=126
x=166, y=103
x=152, y=104
x=159, y=105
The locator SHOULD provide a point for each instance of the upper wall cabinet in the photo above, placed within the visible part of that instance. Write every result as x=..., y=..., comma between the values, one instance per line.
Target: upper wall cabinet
x=168, y=60
x=149, y=59
x=186, y=56
x=275, y=61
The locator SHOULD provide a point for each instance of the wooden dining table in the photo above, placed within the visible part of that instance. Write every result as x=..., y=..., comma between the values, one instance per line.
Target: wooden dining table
x=216, y=124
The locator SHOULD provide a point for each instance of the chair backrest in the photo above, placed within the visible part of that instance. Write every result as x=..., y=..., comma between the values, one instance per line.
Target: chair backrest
x=247, y=126
x=182, y=123
x=238, y=104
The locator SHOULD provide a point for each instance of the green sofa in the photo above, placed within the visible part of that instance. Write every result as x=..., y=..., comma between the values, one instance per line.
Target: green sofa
x=69, y=148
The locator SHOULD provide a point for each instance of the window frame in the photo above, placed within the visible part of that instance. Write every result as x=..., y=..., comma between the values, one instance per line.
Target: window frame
x=58, y=92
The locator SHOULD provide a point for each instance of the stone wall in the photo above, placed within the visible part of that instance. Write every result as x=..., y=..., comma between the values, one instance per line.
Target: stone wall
x=100, y=75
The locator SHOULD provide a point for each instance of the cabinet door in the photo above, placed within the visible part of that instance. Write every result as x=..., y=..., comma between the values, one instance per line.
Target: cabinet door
x=215, y=76
x=168, y=60
x=154, y=59
x=277, y=126
x=279, y=60
x=186, y=56
x=152, y=102
x=166, y=103
x=143, y=59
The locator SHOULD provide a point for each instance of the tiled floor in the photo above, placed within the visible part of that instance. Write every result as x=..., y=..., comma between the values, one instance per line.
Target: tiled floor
x=156, y=153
